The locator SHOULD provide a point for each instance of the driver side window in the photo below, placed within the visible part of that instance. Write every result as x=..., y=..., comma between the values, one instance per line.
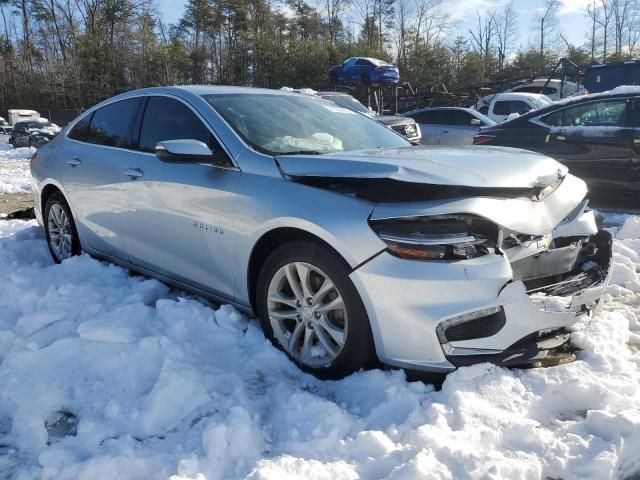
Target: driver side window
x=169, y=119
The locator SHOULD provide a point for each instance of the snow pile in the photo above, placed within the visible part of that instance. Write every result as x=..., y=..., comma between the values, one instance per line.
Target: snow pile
x=15, y=176
x=626, y=256
x=152, y=383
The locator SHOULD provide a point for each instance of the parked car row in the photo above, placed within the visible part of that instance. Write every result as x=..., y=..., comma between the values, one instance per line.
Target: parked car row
x=597, y=136
x=351, y=244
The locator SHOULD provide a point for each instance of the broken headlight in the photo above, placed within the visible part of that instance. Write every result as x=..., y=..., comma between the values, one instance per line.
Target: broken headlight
x=441, y=237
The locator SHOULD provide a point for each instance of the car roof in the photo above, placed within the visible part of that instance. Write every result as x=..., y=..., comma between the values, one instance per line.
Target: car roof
x=432, y=109
x=500, y=96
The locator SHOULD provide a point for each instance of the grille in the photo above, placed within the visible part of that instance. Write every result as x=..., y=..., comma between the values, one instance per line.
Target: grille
x=479, y=328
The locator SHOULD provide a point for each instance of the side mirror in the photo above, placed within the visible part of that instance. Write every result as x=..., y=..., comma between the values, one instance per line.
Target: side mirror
x=476, y=122
x=187, y=151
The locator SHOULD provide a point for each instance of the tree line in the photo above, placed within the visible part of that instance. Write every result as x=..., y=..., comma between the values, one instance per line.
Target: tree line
x=74, y=53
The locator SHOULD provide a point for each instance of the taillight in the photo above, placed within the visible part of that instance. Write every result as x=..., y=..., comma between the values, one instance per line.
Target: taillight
x=481, y=139
x=34, y=160
x=378, y=69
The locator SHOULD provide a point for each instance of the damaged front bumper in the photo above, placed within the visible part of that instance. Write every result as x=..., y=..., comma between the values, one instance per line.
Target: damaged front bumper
x=437, y=316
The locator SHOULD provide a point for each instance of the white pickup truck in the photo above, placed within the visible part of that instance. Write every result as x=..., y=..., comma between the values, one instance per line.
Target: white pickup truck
x=505, y=105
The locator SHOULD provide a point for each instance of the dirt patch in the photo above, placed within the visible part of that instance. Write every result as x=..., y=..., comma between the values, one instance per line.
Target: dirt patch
x=15, y=202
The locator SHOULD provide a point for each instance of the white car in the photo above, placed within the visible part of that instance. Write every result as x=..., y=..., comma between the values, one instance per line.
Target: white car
x=505, y=106
x=552, y=89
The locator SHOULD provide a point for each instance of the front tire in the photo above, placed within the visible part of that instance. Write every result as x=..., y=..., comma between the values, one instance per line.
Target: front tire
x=60, y=229
x=309, y=308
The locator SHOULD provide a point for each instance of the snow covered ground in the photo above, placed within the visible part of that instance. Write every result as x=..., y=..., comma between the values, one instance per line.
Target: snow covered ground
x=151, y=383
x=14, y=169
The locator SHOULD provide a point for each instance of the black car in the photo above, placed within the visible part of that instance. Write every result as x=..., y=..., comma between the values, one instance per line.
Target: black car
x=32, y=133
x=596, y=136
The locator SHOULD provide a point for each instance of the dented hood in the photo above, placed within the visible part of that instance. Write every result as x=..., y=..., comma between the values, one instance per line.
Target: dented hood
x=466, y=166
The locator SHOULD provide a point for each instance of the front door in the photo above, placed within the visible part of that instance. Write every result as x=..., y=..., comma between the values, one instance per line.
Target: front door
x=180, y=221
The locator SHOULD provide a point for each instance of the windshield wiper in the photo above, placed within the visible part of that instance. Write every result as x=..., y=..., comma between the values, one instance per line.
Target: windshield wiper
x=301, y=152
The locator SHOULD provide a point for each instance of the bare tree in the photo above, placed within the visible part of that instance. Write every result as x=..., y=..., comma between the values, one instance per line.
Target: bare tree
x=547, y=24
x=334, y=9
x=482, y=37
x=506, y=31
x=430, y=21
x=604, y=19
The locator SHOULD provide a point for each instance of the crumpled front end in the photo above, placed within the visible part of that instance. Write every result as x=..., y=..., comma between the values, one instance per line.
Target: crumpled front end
x=501, y=281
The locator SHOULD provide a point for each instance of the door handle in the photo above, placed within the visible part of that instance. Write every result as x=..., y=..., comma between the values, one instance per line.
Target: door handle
x=74, y=162
x=133, y=172
x=445, y=131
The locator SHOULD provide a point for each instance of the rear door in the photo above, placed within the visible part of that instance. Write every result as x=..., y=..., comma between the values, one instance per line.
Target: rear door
x=93, y=174
x=595, y=140
x=180, y=216
x=361, y=68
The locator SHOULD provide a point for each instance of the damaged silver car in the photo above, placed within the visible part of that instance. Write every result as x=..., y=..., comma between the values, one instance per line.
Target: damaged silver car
x=350, y=245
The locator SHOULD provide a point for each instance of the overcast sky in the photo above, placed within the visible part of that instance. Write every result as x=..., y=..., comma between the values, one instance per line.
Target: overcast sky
x=572, y=20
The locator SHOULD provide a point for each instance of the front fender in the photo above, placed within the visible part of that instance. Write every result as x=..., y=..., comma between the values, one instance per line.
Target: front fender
x=338, y=220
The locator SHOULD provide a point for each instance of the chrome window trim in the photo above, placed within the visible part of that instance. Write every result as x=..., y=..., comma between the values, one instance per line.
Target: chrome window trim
x=234, y=165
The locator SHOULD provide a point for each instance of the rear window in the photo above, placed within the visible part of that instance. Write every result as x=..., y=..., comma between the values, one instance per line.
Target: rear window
x=507, y=107
x=111, y=125
x=533, y=89
x=80, y=129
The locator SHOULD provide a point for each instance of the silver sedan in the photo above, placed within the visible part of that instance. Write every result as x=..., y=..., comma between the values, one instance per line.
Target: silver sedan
x=350, y=245
x=449, y=125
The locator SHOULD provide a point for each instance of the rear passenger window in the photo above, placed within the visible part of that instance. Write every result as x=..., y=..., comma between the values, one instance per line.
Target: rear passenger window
x=80, y=129
x=502, y=108
x=169, y=119
x=112, y=124
x=454, y=117
x=507, y=107
x=425, y=117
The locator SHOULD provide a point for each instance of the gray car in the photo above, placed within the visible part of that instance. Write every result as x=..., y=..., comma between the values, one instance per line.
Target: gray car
x=350, y=245
x=449, y=125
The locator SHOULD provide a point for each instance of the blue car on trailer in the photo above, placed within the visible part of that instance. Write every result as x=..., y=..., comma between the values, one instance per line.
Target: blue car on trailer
x=364, y=70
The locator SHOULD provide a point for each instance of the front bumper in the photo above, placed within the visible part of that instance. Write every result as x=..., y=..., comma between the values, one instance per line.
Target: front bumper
x=408, y=300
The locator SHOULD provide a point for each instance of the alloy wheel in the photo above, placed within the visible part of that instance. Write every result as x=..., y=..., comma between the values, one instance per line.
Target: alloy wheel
x=60, y=232
x=307, y=314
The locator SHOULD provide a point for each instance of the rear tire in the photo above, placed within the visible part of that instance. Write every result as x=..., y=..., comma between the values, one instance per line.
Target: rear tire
x=320, y=322
x=60, y=229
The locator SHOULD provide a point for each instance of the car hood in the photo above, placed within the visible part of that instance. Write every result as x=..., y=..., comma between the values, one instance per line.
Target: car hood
x=469, y=166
